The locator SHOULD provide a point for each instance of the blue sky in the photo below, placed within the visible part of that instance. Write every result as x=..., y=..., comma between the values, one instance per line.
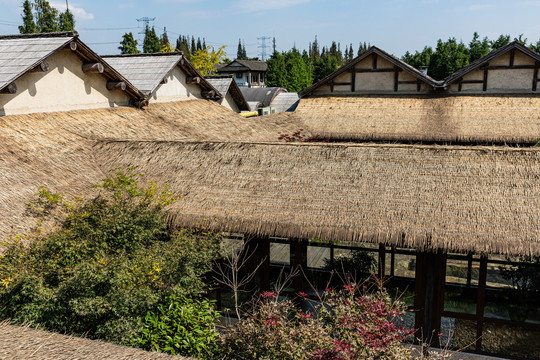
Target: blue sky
x=393, y=25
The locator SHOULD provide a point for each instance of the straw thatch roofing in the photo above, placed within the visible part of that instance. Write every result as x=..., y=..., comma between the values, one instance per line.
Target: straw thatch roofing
x=22, y=53
x=373, y=50
x=22, y=343
x=147, y=71
x=226, y=84
x=480, y=199
x=263, y=95
x=56, y=149
x=465, y=119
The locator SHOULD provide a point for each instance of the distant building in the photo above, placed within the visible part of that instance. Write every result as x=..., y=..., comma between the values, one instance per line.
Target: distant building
x=247, y=73
x=58, y=72
x=163, y=77
x=231, y=96
x=259, y=98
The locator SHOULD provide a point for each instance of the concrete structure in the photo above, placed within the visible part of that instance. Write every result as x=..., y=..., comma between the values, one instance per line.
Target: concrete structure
x=164, y=77
x=57, y=72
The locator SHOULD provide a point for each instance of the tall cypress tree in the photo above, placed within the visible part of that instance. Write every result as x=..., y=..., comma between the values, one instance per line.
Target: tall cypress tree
x=199, y=44
x=46, y=16
x=244, y=52
x=239, y=53
x=128, y=45
x=29, y=26
x=151, y=42
x=193, y=46
x=66, y=22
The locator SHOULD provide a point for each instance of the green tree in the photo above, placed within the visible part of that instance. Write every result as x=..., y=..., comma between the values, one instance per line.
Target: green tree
x=151, y=43
x=165, y=43
x=276, y=72
x=449, y=57
x=29, y=26
x=199, y=44
x=324, y=66
x=535, y=46
x=478, y=48
x=106, y=262
x=501, y=41
x=66, y=22
x=46, y=16
x=419, y=59
x=128, y=45
x=240, y=51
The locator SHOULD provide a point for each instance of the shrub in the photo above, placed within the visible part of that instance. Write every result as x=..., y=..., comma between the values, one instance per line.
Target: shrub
x=346, y=324
x=180, y=326
x=107, y=261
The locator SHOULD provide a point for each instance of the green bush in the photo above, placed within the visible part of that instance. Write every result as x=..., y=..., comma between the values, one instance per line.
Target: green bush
x=107, y=261
x=180, y=326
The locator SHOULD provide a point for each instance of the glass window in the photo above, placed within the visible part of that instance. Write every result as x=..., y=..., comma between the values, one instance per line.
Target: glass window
x=280, y=253
x=513, y=292
x=461, y=286
x=405, y=265
x=318, y=257
x=458, y=334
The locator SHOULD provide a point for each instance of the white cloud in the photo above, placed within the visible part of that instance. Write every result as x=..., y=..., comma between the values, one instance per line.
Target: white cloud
x=260, y=5
x=78, y=12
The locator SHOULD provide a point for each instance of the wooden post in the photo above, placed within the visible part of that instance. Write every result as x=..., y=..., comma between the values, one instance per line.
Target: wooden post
x=484, y=88
x=112, y=85
x=331, y=85
x=93, y=68
x=512, y=55
x=9, y=89
x=481, y=300
x=41, y=67
x=382, y=260
x=193, y=80
x=353, y=79
x=535, y=78
x=374, y=60
x=396, y=79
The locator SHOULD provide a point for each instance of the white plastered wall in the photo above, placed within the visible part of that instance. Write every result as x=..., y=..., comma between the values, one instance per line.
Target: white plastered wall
x=176, y=88
x=64, y=87
x=229, y=103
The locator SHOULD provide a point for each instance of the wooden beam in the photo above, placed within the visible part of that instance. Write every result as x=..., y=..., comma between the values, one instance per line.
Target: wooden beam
x=353, y=80
x=112, y=85
x=41, y=67
x=408, y=82
x=73, y=46
x=193, y=80
x=472, y=81
x=10, y=89
x=337, y=83
x=484, y=87
x=512, y=55
x=93, y=68
x=208, y=93
x=535, y=78
x=374, y=70
x=515, y=67
x=396, y=79
x=374, y=60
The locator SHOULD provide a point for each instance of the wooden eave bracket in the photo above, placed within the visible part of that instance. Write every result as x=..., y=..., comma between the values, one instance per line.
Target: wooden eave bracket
x=113, y=85
x=10, y=89
x=43, y=66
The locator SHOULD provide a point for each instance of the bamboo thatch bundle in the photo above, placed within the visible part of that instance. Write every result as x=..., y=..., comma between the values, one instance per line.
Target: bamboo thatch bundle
x=465, y=119
x=55, y=149
x=481, y=199
x=22, y=343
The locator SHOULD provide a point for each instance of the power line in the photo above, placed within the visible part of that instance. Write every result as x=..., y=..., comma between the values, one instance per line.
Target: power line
x=107, y=29
x=263, y=46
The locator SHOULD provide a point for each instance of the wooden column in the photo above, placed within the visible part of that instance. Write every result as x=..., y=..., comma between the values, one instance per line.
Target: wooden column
x=396, y=78
x=382, y=260
x=429, y=295
x=535, y=78
x=374, y=61
x=484, y=87
x=480, y=304
x=353, y=79
x=512, y=55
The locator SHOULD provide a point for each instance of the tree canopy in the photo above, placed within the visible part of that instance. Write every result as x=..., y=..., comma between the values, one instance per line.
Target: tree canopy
x=151, y=43
x=45, y=19
x=128, y=45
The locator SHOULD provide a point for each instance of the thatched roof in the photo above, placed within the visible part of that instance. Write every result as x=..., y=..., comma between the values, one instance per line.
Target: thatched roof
x=147, y=71
x=460, y=119
x=56, y=149
x=457, y=198
x=20, y=54
x=22, y=343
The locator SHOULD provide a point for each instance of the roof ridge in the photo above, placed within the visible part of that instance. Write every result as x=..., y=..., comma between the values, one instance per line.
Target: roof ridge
x=40, y=35
x=145, y=54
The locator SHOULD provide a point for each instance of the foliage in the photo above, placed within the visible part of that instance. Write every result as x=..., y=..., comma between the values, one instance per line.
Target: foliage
x=46, y=16
x=351, y=323
x=108, y=260
x=241, y=53
x=478, y=48
x=206, y=59
x=180, y=326
x=66, y=22
x=151, y=42
x=166, y=46
x=128, y=45
x=360, y=264
x=289, y=70
x=28, y=26
x=449, y=57
x=525, y=292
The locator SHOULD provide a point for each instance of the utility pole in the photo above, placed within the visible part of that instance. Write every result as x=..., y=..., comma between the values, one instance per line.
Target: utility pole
x=145, y=22
x=263, y=46
x=274, y=44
